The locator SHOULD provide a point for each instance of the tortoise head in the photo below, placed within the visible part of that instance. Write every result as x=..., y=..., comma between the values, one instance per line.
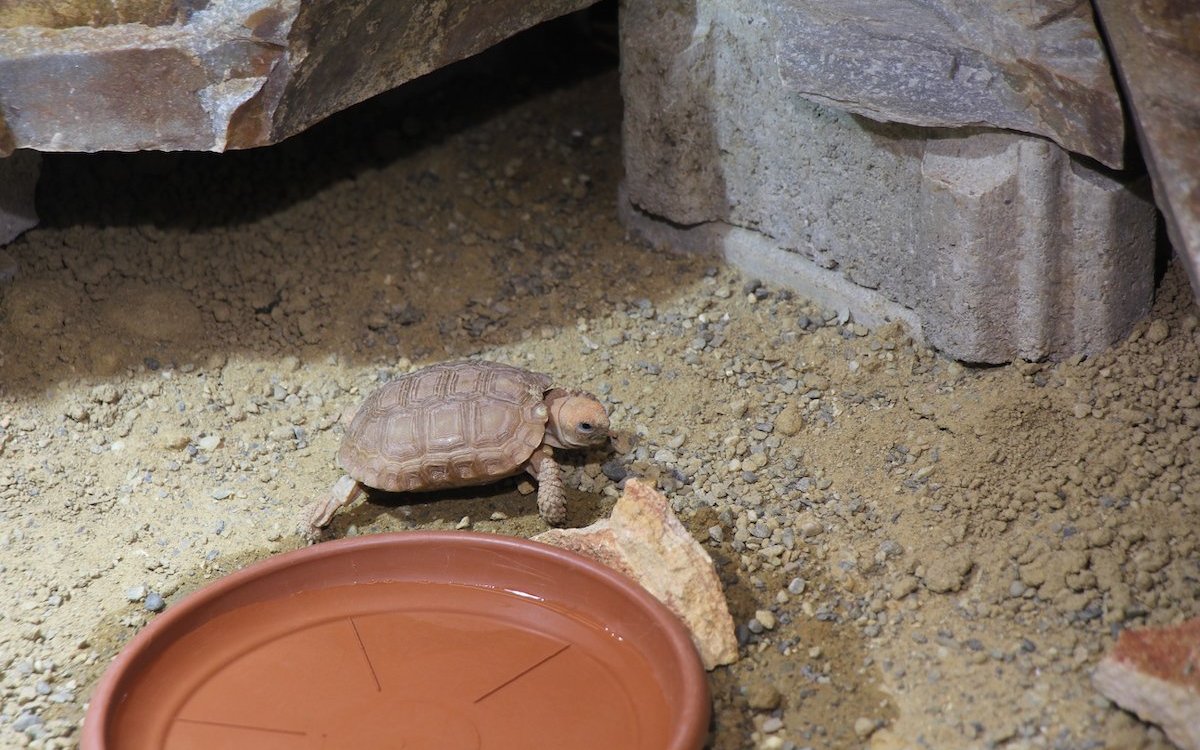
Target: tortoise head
x=575, y=420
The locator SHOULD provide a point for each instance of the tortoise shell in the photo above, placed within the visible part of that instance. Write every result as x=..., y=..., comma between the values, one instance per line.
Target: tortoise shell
x=447, y=425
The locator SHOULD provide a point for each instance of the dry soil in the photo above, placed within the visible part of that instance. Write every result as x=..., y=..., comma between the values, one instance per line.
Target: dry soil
x=918, y=554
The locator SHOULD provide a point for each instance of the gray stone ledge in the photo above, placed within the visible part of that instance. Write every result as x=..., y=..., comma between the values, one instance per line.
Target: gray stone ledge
x=761, y=257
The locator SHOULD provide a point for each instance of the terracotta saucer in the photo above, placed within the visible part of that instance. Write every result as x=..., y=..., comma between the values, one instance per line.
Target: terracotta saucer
x=408, y=640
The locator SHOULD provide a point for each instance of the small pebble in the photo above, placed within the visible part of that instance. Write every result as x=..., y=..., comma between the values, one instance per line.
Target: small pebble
x=864, y=727
x=1158, y=332
x=763, y=697
x=209, y=442
x=765, y=617
x=614, y=470
x=789, y=421
x=154, y=602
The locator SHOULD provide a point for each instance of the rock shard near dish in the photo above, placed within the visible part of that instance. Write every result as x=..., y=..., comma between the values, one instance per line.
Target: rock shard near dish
x=1155, y=672
x=644, y=540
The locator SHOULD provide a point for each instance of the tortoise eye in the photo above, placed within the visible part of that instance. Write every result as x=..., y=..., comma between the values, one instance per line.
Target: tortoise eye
x=585, y=426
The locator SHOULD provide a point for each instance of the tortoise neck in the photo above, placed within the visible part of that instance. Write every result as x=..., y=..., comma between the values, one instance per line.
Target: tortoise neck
x=554, y=399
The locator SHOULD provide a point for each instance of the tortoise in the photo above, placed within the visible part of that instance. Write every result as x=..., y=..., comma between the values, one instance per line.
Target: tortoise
x=458, y=424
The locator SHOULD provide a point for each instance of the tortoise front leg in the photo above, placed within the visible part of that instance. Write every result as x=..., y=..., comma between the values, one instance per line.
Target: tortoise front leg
x=552, y=504
x=341, y=494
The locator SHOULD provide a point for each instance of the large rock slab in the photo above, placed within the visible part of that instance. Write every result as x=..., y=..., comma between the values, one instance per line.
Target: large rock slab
x=1156, y=46
x=1155, y=672
x=644, y=540
x=223, y=74
x=1031, y=67
x=990, y=244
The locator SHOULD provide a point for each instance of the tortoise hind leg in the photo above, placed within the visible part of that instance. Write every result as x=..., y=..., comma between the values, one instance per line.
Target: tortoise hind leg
x=552, y=504
x=341, y=494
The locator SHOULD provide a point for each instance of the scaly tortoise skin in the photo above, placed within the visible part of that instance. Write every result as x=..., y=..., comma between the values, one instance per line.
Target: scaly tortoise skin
x=463, y=423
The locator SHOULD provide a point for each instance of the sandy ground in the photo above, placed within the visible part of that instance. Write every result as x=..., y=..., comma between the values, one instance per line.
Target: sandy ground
x=918, y=554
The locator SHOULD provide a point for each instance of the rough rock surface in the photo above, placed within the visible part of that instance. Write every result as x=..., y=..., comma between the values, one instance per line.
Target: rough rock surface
x=231, y=74
x=1031, y=67
x=1000, y=245
x=1156, y=47
x=644, y=540
x=1155, y=672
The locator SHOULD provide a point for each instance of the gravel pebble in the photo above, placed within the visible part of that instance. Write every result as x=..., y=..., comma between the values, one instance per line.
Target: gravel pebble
x=864, y=727
x=763, y=696
x=209, y=442
x=789, y=421
x=1158, y=332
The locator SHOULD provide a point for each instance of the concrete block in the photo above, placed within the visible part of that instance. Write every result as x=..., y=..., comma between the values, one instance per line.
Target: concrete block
x=997, y=244
x=1031, y=253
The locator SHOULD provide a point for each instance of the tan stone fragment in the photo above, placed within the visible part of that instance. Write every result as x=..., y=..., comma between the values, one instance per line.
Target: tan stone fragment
x=1155, y=673
x=644, y=540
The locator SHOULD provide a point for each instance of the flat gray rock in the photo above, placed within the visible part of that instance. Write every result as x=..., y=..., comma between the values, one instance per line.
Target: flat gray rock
x=1156, y=46
x=1038, y=68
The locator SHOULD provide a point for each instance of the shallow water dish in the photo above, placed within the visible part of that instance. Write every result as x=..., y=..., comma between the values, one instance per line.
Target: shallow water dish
x=416, y=640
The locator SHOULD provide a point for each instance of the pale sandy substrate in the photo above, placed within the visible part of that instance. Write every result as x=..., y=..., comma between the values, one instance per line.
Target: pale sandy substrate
x=944, y=553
